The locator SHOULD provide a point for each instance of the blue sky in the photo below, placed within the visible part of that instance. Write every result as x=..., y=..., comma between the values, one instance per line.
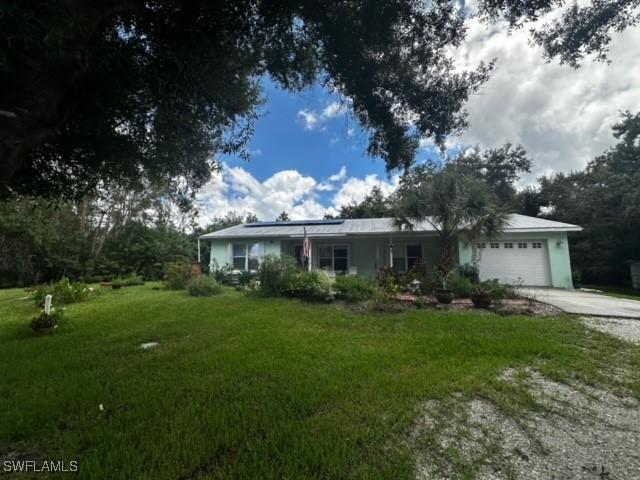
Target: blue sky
x=311, y=132
x=309, y=155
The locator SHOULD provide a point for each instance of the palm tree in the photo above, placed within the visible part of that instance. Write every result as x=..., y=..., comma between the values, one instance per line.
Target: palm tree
x=453, y=202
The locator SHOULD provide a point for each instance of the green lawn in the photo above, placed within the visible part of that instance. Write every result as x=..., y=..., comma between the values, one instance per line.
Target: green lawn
x=244, y=387
x=617, y=291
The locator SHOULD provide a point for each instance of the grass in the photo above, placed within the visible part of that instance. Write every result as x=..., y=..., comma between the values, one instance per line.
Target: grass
x=618, y=291
x=244, y=387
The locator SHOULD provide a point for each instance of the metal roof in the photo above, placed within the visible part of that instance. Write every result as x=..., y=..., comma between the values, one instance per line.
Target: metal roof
x=370, y=226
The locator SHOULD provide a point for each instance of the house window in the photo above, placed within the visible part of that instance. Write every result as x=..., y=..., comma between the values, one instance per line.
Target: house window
x=481, y=245
x=495, y=245
x=406, y=256
x=536, y=244
x=246, y=256
x=334, y=257
x=508, y=245
x=239, y=256
x=522, y=245
x=414, y=255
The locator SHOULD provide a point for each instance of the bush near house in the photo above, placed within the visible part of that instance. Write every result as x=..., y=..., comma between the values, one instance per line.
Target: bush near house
x=354, y=289
x=461, y=286
x=178, y=275
x=63, y=291
x=203, y=286
x=313, y=286
x=277, y=274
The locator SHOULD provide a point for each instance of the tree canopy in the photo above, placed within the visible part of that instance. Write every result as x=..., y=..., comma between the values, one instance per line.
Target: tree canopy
x=149, y=91
x=604, y=199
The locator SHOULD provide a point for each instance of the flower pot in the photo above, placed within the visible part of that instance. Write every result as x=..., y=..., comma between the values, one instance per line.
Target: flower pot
x=444, y=296
x=481, y=300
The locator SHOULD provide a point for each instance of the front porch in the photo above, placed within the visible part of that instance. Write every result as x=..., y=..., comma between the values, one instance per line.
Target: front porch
x=365, y=256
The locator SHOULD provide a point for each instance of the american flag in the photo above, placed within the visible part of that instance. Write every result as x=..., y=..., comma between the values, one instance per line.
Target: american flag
x=306, y=245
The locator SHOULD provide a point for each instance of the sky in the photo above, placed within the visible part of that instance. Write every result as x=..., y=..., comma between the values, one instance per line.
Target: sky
x=308, y=154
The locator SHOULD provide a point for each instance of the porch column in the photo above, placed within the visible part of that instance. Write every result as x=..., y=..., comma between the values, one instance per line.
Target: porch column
x=390, y=252
x=198, y=250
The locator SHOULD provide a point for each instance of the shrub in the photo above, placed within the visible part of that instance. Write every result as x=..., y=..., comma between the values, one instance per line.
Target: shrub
x=203, y=286
x=63, y=292
x=314, y=286
x=499, y=291
x=354, y=289
x=385, y=302
x=461, y=286
x=43, y=321
x=178, y=275
x=131, y=280
x=470, y=272
x=389, y=280
x=277, y=274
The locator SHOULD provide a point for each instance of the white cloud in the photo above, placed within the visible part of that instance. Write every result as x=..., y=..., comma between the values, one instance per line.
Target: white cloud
x=309, y=118
x=561, y=116
x=315, y=120
x=341, y=175
x=355, y=189
x=235, y=189
x=333, y=109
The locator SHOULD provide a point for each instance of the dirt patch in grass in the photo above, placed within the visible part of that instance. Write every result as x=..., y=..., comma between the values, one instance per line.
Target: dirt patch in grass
x=569, y=432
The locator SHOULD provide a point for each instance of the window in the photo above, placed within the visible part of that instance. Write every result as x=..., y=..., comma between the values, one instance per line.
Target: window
x=239, y=256
x=522, y=245
x=414, y=255
x=536, y=244
x=508, y=245
x=334, y=257
x=481, y=245
x=495, y=245
x=406, y=256
x=246, y=256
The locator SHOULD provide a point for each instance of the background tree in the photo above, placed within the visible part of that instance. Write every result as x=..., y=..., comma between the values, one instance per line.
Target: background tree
x=452, y=201
x=283, y=217
x=500, y=168
x=374, y=205
x=134, y=91
x=604, y=199
x=137, y=90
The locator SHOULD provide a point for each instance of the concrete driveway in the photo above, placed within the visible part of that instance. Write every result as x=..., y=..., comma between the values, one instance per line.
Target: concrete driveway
x=584, y=303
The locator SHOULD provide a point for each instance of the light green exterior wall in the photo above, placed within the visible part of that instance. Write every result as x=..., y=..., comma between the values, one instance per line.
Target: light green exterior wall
x=557, y=246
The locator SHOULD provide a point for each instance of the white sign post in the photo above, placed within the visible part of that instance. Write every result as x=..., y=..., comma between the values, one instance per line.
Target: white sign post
x=47, y=304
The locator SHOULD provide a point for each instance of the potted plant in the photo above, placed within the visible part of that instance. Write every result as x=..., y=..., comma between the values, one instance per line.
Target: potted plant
x=45, y=323
x=481, y=296
x=443, y=294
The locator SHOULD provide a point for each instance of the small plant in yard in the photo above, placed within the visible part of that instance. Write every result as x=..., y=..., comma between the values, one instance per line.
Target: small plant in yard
x=46, y=322
x=64, y=292
x=482, y=296
x=178, y=275
x=203, y=286
x=443, y=294
x=389, y=280
x=116, y=284
x=354, y=289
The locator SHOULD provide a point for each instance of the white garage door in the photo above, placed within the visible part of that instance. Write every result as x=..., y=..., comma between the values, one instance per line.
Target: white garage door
x=523, y=262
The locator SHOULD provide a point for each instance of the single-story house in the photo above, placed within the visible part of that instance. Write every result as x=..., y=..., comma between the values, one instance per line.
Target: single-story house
x=531, y=251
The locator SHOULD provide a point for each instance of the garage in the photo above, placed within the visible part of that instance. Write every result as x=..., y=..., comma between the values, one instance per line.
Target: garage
x=524, y=262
